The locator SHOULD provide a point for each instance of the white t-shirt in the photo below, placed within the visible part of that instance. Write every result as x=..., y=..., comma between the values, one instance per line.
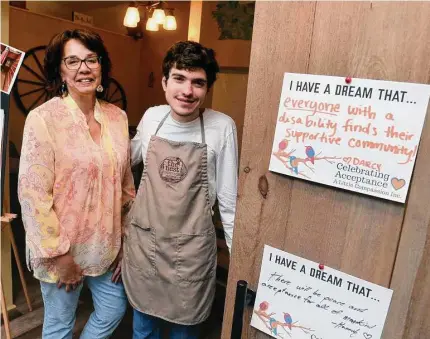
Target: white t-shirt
x=221, y=140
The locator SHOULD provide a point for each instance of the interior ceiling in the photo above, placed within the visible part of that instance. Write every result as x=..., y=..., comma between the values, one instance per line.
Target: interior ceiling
x=90, y=5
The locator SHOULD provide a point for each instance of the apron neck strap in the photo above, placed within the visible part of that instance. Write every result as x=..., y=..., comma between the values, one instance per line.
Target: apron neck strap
x=202, y=126
x=162, y=122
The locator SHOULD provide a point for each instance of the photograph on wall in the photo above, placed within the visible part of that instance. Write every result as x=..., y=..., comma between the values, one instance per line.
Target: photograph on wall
x=235, y=19
x=11, y=60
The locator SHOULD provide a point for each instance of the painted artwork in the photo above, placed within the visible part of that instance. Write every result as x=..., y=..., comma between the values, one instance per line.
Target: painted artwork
x=301, y=299
x=355, y=134
x=11, y=60
x=235, y=19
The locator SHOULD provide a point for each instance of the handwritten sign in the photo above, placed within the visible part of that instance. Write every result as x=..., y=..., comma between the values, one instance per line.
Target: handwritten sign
x=362, y=136
x=298, y=300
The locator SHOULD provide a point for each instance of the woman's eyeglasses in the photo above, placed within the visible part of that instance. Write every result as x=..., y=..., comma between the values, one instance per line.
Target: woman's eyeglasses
x=74, y=63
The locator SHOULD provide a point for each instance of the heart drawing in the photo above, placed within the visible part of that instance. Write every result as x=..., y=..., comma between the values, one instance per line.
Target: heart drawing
x=397, y=183
x=367, y=335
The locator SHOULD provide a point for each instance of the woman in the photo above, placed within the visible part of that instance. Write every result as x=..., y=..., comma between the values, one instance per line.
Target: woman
x=75, y=184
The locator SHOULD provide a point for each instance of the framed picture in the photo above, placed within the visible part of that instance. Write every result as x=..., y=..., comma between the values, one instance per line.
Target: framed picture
x=11, y=60
x=4, y=115
x=235, y=19
x=82, y=19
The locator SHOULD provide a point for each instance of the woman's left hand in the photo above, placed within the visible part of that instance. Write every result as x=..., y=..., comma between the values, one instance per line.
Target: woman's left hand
x=116, y=267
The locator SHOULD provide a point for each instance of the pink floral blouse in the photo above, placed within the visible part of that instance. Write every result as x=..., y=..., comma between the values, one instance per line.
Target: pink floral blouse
x=74, y=192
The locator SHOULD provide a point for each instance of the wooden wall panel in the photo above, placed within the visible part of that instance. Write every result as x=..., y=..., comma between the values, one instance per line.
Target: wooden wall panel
x=355, y=233
x=229, y=97
x=375, y=40
x=410, y=306
x=385, y=41
x=260, y=220
x=417, y=324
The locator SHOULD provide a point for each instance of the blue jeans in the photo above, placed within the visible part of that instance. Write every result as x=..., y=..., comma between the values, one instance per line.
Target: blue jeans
x=148, y=327
x=110, y=304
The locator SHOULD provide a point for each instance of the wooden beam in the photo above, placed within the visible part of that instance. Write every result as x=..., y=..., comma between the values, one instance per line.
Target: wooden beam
x=195, y=21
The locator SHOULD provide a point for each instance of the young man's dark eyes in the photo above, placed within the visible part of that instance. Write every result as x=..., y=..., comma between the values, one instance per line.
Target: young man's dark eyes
x=196, y=83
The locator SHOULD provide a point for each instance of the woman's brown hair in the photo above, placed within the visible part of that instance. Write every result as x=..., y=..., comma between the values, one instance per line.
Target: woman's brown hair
x=54, y=57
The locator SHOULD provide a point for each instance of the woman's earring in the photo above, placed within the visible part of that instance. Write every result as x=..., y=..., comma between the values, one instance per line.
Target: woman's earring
x=99, y=88
x=63, y=88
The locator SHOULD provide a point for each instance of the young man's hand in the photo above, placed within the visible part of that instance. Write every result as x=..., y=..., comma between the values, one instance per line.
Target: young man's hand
x=116, y=267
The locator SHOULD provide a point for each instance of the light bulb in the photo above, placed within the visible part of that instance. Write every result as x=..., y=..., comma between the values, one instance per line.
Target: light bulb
x=170, y=23
x=132, y=17
x=151, y=25
x=159, y=15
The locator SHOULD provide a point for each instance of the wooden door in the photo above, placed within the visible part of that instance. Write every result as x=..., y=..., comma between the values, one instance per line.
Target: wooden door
x=229, y=95
x=380, y=241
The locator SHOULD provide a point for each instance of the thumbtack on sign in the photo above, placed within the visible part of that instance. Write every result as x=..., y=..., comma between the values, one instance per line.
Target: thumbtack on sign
x=321, y=266
x=348, y=80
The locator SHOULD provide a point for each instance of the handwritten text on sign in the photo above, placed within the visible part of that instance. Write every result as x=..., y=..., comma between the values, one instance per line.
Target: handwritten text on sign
x=362, y=136
x=296, y=299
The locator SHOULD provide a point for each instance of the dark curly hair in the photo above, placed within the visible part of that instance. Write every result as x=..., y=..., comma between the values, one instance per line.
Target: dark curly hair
x=54, y=55
x=190, y=55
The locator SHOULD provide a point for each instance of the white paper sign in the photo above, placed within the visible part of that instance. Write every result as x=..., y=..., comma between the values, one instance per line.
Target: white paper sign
x=361, y=136
x=298, y=300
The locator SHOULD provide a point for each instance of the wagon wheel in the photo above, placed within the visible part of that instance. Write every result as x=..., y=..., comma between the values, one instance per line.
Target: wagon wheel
x=115, y=94
x=31, y=88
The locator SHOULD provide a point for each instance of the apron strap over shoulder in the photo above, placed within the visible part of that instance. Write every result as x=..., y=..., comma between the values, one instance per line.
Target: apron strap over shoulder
x=202, y=126
x=162, y=122
x=202, y=129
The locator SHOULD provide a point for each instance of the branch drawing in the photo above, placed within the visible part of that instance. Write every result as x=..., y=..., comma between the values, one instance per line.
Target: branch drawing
x=293, y=162
x=273, y=325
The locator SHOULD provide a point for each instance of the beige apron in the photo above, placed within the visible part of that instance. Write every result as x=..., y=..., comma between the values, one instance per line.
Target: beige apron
x=170, y=248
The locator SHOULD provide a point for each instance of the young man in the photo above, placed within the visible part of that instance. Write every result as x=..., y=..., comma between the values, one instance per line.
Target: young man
x=190, y=158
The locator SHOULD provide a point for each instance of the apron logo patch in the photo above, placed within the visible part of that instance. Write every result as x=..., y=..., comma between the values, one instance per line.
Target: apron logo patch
x=173, y=170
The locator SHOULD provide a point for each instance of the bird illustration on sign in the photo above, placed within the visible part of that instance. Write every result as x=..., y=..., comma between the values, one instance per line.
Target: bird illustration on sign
x=298, y=164
x=310, y=153
x=274, y=325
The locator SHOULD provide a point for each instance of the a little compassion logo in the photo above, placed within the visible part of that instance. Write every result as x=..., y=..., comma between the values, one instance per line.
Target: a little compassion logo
x=368, y=180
